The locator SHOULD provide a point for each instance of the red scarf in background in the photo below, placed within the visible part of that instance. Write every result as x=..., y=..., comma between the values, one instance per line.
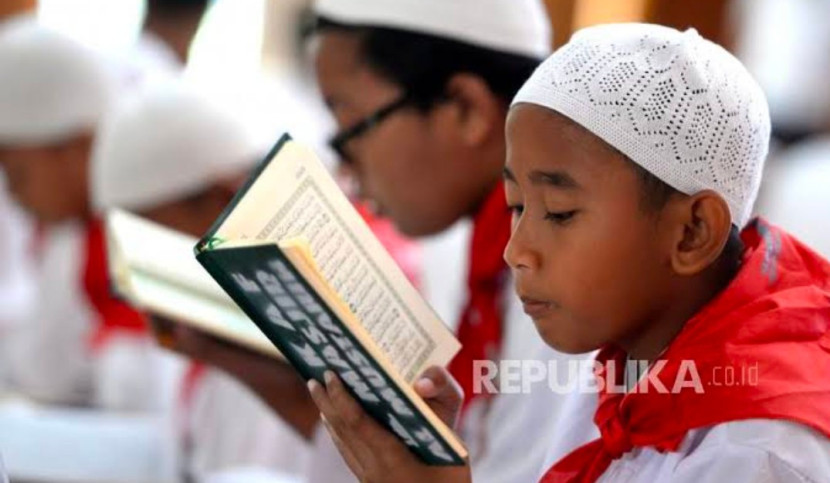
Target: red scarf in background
x=114, y=316
x=775, y=314
x=480, y=329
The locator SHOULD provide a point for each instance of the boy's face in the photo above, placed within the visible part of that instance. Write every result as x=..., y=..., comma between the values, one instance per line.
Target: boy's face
x=193, y=214
x=50, y=182
x=589, y=263
x=412, y=165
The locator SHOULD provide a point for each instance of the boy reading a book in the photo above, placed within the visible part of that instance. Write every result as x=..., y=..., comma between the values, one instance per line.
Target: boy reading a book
x=174, y=157
x=634, y=157
x=420, y=91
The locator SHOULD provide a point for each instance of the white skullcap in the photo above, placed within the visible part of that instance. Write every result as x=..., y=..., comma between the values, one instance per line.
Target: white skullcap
x=164, y=145
x=514, y=26
x=51, y=87
x=678, y=105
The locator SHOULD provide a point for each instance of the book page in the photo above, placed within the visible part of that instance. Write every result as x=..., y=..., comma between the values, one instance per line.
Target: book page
x=153, y=248
x=153, y=267
x=180, y=305
x=296, y=197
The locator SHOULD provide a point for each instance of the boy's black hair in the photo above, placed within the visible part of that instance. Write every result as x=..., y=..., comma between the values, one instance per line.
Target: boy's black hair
x=177, y=5
x=657, y=193
x=422, y=64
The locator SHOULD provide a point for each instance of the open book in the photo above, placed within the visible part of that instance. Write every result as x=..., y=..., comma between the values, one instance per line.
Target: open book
x=152, y=268
x=299, y=260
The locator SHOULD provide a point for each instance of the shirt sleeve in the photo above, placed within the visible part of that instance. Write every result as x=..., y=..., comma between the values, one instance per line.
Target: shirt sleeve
x=750, y=451
x=738, y=464
x=757, y=451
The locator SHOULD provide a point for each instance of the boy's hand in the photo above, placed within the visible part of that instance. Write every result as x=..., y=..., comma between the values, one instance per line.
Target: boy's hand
x=374, y=454
x=276, y=383
x=441, y=393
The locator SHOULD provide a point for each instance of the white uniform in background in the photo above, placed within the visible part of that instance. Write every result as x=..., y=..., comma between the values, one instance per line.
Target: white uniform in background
x=149, y=62
x=231, y=429
x=784, y=44
x=3, y=477
x=48, y=355
x=17, y=275
x=17, y=278
x=54, y=89
x=795, y=193
x=161, y=147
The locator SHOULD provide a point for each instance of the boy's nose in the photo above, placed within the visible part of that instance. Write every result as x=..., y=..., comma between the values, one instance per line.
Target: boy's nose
x=518, y=253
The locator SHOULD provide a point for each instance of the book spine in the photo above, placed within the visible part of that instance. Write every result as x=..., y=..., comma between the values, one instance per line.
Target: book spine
x=209, y=240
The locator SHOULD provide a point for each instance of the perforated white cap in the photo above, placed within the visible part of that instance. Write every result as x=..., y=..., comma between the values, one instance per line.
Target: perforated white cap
x=164, y=145
x=51, y=87
x=515, y=26
x=675, y=103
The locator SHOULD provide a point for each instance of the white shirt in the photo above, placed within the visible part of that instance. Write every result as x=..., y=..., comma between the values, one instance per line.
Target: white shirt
x=232, y=430
x=49, y=354
x=17, y=276
x=749, y=451
x=3, y=477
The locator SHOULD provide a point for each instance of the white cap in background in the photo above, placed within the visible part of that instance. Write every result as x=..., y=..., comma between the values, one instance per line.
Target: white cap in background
x=51, y=87
x=513, y=26
x=166, y=144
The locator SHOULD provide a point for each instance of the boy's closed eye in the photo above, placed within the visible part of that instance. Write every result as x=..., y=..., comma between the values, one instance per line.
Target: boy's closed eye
x=560, y=217
x=557, y=217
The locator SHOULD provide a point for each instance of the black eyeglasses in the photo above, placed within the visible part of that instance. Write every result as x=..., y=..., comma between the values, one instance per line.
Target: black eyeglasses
x=340, y=140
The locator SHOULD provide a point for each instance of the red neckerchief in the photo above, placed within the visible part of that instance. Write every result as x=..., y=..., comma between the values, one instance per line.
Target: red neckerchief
x=775, y=313
x=480, y=329
x=114, y=316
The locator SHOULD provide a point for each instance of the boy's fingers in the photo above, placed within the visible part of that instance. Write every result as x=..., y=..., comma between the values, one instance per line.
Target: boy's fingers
x=320, y=398
x=379, y=444
x=333, y=416
x=348, y=456
x=350, y=413
x=426, y=388
x=441, y=392
x=372, y=453
x=163, y=331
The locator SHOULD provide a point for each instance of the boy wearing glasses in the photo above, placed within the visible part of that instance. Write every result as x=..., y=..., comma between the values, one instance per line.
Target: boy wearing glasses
x=420, y=91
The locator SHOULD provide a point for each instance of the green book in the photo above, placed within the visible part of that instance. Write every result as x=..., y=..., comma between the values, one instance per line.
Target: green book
x=296, y=257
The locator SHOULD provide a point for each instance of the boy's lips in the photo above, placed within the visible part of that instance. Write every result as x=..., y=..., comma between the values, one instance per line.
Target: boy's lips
x=536, y=308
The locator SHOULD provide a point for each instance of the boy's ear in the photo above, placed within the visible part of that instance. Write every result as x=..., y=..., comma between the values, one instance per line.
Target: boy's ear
x=227, y=186
x=477, y=111
x=701, y=224
x=223, y=191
